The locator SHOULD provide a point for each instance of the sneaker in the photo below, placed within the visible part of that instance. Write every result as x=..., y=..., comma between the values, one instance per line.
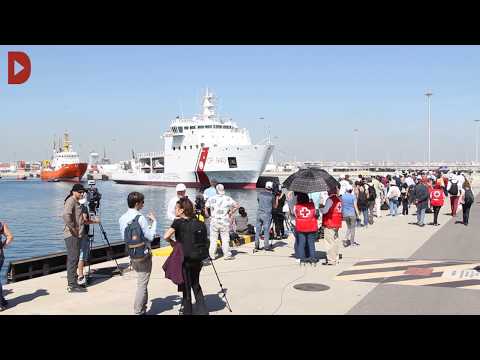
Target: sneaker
x=329, y=263
x=229, y=257
x=3, y=307
x=346, y=243
x=82, y=281
x=76, y=289
x=256, y=250
x=356, y=244
x=269, y=249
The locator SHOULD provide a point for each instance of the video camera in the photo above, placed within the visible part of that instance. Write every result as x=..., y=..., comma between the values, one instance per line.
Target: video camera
x=93, y=197
x=276, y=188
x=199, y=205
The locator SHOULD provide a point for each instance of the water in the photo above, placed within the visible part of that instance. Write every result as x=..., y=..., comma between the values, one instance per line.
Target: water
x=33, y=211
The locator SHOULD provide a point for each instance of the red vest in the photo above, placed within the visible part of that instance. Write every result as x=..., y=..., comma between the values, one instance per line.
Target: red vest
x=305, y=220
x=333, y=218
x=437, y=196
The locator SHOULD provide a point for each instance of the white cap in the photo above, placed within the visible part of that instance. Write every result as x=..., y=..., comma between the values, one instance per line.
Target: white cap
x=220, y=189
x=268, y=185
x=348, y=187
x=180, y=187
x=419, y=177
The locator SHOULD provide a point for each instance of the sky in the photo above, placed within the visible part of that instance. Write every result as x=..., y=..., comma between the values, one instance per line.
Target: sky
x=311, y=98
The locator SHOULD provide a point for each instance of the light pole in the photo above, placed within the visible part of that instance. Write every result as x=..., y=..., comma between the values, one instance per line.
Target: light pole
x=476, y=141
x=355, y=135
x=428, y=94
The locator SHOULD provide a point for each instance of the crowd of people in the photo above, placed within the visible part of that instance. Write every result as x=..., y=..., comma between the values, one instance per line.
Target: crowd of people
x=197, y=225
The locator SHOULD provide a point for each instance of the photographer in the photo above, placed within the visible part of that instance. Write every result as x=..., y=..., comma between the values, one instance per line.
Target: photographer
x=84, y=237
x=73, y=218
x=4, y=231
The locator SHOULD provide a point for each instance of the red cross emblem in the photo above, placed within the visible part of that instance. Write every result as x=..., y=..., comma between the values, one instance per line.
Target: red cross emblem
x=304, y=212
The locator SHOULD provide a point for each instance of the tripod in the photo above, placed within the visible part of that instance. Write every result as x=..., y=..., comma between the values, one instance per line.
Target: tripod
x=220, y=283
x=91, y=238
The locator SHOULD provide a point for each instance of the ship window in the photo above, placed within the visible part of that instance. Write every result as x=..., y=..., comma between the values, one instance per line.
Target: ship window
x=192, y=127
x=180, y=129
x=174, y=148
x=201, y=126
x=191, y=147
x=208, y=126
x=202, y=144
x=218, y=126
x=226, y=127
x=185, y=148
x=197, y=146
x=232, y=162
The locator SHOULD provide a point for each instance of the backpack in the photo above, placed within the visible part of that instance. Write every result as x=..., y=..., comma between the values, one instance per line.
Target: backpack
x=362, y=200
x=195, y=242
x=453, y=189
x=372, y=195
x=135, y=240
x=469, y=198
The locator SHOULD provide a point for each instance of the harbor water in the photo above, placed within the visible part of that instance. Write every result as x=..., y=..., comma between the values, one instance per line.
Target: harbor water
x=33, y=211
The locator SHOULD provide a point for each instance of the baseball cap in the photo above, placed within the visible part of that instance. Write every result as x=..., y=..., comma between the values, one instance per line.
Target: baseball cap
x=78, y=188
x=268, y=185
x=220, y=189
x=180, y=187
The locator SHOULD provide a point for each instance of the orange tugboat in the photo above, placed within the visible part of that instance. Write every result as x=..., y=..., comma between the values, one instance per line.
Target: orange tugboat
x=65, y=164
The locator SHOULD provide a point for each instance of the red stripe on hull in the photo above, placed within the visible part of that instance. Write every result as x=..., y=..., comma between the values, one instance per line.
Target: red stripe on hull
x=244, y=186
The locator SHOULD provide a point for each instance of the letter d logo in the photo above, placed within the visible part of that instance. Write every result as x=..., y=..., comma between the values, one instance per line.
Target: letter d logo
x=24, y=61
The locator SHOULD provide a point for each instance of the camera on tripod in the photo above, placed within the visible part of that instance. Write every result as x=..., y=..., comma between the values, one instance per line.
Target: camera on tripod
x=93, y=197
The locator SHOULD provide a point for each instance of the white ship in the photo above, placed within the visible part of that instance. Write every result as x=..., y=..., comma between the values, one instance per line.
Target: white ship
x=199, y=149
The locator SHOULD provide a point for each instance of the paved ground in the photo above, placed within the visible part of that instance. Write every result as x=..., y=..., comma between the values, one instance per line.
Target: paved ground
x=264, y=283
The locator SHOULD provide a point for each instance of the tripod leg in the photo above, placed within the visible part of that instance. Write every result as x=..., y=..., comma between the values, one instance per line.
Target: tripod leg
x=221, y=286
x=110, y=246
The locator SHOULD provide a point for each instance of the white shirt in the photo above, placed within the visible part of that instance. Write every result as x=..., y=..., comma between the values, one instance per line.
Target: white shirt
x=461, y=180
x=148, y=231
x=343, y=186
x=171, y=207
x=409, y=181
x=219, y=206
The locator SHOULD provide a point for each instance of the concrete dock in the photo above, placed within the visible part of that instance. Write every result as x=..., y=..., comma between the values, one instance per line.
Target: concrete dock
x=398, y=269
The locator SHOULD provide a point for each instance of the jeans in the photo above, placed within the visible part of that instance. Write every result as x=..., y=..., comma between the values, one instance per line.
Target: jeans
x=2, y=259
x=365, y=216
x=466, y=212
x=421, y=216
x=306, y=240
x=263, y=221
x=279, y=227
x=371, y=208
x=191, y=275
x=332, y=244
x=143, y=269
x=73, y=254
x=436, y=210
x=454, y=204
x=224, y=232
x=350, y=221
x=393, y=204
x=84, y=248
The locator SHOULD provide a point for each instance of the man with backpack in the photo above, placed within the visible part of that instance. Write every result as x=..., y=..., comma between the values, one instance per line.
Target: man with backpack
x=138, y=235
x=453, y=191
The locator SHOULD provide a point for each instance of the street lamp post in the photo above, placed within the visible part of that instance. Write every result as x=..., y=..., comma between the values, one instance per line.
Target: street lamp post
x=476, y=141
x=428, y=94
x=355, y=135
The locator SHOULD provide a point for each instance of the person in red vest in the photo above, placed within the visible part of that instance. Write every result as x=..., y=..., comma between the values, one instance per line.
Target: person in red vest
x=306, y=226
x=437, y=198
x=332, y=222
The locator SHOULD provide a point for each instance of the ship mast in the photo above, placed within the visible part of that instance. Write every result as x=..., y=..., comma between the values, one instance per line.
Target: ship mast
x=208, y=106
x=66, y=142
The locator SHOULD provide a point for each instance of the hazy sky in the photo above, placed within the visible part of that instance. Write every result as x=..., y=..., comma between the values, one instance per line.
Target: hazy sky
x=124, y=97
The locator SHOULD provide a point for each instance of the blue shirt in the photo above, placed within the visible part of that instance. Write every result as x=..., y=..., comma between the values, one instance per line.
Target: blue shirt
x=210, y=192
x=148, y=232
x=348, y=204
x=315, y=197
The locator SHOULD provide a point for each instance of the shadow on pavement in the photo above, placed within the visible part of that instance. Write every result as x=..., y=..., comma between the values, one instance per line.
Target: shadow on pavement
x=160, y=305
x=215, y=302
x=26, y=298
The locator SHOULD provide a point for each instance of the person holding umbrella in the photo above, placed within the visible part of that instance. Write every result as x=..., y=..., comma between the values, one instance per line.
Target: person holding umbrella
x=306, y=228
x=332, y=222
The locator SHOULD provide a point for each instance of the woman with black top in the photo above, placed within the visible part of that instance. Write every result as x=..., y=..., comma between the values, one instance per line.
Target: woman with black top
x=277, y=215
x=184, y=213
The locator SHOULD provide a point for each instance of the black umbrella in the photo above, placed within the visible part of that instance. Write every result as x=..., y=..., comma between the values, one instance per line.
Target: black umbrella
x=311, y=180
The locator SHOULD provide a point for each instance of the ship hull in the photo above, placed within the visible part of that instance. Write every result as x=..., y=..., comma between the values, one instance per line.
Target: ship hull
x=250, y=162
x=70, y=172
